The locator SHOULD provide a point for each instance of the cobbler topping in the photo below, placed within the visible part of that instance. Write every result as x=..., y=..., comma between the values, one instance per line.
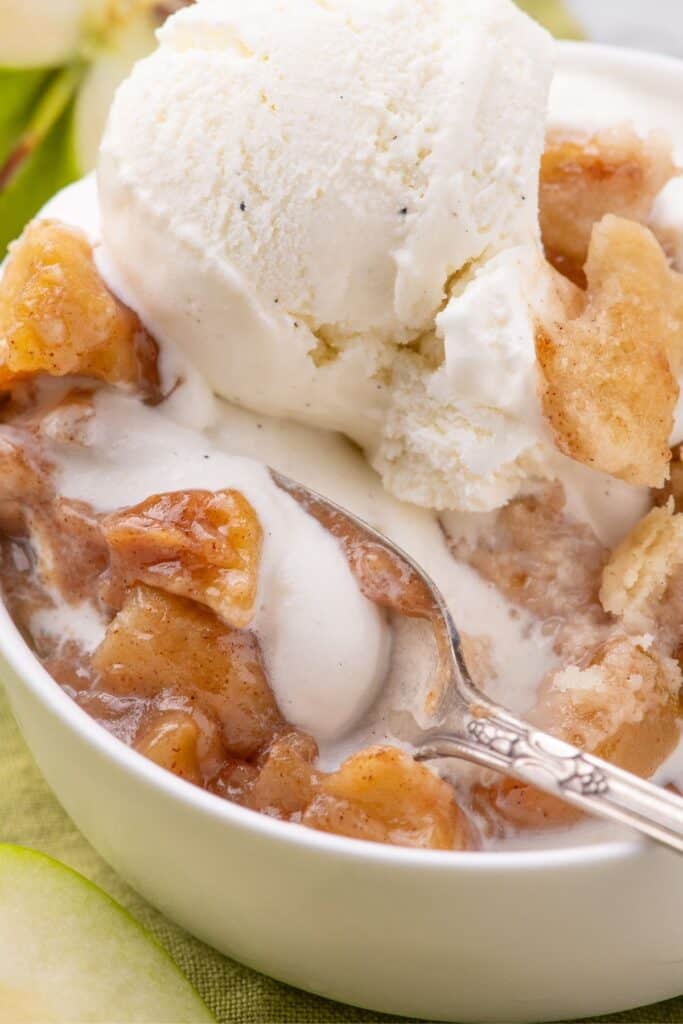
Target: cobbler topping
x=609, y=365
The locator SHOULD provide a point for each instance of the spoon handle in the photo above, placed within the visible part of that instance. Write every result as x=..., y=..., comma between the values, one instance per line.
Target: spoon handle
x=493, y=738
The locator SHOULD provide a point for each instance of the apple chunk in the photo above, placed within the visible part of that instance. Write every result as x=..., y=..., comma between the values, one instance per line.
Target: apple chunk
x=69, y=953
x=58, y=318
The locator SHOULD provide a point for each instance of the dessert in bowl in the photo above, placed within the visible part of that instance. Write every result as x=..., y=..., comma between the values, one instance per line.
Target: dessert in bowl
x=202, y=616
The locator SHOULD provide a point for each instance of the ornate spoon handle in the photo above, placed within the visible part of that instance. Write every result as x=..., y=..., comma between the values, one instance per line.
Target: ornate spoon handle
x=493, y=738
x=477, y=730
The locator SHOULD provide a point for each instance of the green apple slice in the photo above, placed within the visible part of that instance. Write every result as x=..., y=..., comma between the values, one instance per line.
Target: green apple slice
x=109, y=66
x=553, y=14
x=69, y=954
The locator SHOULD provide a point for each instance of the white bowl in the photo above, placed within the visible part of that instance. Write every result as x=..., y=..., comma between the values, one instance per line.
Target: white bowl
x=511, y=936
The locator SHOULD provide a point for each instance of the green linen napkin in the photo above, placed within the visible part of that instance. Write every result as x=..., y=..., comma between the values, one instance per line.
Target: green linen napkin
x=30, y=816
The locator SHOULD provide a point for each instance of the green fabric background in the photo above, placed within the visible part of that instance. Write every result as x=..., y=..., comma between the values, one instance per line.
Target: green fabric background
x=30, y=815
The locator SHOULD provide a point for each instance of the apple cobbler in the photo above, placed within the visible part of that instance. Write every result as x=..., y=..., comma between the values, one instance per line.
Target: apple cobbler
x=179, y=672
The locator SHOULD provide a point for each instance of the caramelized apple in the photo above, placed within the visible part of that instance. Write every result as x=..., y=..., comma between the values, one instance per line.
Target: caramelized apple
x=508, y=802
x=185, y=742
x=234, y=780
x=160, y=642
x=287, y=781
x=383, y=795
x=197, y=544
x=171, y=742
x=385, y=580
x=57, y=317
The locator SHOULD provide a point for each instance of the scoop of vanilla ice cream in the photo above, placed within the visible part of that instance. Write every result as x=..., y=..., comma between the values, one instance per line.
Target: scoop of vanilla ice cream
x=329, y=205
x=477, y=398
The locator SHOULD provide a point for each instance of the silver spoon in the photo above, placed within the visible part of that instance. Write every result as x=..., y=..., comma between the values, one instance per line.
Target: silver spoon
x=471, y=726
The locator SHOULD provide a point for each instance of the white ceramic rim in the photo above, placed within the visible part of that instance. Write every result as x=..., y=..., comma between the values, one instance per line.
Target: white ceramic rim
x=19, y=656
x=22, y=660
x=578, y=53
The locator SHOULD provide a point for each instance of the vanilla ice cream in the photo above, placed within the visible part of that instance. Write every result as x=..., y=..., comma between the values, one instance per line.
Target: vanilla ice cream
x=315, y=201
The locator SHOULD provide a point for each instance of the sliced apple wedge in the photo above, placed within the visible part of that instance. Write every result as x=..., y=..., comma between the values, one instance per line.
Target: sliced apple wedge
x=555, y=16
x=42, y=33
x=110, y=64
x=69, y=954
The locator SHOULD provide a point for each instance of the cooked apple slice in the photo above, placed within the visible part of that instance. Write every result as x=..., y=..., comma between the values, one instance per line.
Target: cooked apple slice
x=57, y=317
x=287, y=781
x=159, y=642
x=183, y=736
x=384, y=796
x=69, y=953
x=204, y=545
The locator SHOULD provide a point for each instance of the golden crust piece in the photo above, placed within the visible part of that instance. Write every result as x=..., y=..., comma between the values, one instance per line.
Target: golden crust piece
x=608, y=373
x=639, y=570
x=622, y=706
x=57, y=317
x=673, y=488
x=584, y=177
x=626, y=686
x=197, y=544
